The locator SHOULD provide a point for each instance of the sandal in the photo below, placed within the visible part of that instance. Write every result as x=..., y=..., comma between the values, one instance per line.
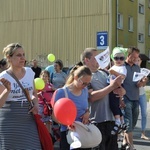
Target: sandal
x=145, y=137
x=123, y=128
x=120, y=138
x=115, y=129
x=125, y=147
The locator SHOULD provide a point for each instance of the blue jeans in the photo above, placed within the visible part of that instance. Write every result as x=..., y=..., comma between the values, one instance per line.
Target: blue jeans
x=131, y=113
x=143, y=106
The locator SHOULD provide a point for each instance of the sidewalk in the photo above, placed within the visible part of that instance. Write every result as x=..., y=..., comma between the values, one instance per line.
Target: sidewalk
x=138, y=142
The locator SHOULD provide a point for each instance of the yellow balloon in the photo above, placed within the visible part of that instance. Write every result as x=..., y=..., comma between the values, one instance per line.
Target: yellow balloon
x=51, y=57
x=39, y=83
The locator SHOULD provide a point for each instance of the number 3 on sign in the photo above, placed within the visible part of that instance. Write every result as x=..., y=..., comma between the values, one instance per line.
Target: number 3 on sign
x=102, y=42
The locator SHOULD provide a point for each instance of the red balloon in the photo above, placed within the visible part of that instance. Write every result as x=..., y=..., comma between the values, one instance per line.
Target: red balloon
x=65, y=111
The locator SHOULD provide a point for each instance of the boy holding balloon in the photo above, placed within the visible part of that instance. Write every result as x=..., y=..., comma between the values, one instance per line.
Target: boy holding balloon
x=77, y=92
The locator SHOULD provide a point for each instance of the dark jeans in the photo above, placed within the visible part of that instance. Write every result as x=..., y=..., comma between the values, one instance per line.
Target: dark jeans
x=114, y=103
x=109, y=142
x=63, y=142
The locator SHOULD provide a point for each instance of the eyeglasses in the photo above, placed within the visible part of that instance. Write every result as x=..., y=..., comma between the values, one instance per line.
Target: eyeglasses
x=83, y=83
x=119, y=58
x=16, y=46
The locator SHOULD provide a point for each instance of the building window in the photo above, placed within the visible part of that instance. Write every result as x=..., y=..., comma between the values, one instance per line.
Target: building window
x=149, y=29
x=149, y=3
x=120, y=21
x=141, y=9
x=149, y=55
x=132, y=0
x=141, y=37
x=130, y=23
x=120, y=45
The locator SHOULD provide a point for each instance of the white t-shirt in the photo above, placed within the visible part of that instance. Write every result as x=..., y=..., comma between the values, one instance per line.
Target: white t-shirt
x=120, y=69
x=16, y=93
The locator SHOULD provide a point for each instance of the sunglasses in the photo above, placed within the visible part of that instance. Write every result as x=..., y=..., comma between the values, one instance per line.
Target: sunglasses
x=119, y=58
x=14, y=48
x=83, y=83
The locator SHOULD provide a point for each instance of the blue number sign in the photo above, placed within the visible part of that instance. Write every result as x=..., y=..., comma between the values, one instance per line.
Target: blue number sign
x=102, y=41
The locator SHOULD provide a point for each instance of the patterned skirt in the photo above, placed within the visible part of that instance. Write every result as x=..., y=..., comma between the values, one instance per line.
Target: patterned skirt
x=18, y=130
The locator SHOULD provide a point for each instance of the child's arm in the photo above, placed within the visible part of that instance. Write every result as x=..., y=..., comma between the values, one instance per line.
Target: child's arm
x=113, y=72
x=39, y=92
x=52, y=87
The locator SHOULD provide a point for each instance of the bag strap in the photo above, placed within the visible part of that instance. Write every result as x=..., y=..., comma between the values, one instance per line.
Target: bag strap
x=25, y=91
x=65, y=91
x=45, y=102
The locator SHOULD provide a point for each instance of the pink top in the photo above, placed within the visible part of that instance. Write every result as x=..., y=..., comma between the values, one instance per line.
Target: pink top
x=46, y=93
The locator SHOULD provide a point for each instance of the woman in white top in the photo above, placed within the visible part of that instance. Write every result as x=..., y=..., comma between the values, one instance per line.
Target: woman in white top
x=17, y=125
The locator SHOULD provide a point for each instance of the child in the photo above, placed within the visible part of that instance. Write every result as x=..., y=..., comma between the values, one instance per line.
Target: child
x=44, y=97
x=118, y=57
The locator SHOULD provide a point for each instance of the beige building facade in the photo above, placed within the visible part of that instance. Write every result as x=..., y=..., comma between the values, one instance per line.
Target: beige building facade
x=66, y=27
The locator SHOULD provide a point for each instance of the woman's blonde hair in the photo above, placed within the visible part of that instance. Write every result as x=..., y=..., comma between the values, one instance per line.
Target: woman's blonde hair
x=10, y=49
x=78, y=71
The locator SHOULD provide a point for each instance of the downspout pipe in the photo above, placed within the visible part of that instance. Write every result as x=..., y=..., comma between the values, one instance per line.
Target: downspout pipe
x=117, y=4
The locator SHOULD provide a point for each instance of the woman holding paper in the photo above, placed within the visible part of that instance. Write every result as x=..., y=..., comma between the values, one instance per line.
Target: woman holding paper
x=143, y=106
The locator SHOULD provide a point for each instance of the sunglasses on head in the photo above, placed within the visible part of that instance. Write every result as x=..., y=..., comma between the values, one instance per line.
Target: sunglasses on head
x=14, y=48
x=119, y=58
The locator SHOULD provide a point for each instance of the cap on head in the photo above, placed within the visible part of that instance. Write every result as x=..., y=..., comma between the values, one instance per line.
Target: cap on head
x=118, y=50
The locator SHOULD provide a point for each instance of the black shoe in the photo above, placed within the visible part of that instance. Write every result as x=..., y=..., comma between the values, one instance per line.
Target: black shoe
x=125, y=147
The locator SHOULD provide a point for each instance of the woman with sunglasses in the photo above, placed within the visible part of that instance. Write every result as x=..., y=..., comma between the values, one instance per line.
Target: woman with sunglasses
x=18, y=129
x=76, y=90
x=118, y=57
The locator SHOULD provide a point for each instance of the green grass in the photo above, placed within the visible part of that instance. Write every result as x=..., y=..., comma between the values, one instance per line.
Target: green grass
x=147, y=94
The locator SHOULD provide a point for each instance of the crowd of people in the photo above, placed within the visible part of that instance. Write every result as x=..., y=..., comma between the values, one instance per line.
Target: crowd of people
x=109, y=98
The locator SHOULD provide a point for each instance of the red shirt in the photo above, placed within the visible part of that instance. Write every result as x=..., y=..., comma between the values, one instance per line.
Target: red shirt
x=46, y=93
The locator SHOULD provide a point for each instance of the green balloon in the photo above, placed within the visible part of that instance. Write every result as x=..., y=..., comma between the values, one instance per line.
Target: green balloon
x=51, y=57
x=39, y=83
